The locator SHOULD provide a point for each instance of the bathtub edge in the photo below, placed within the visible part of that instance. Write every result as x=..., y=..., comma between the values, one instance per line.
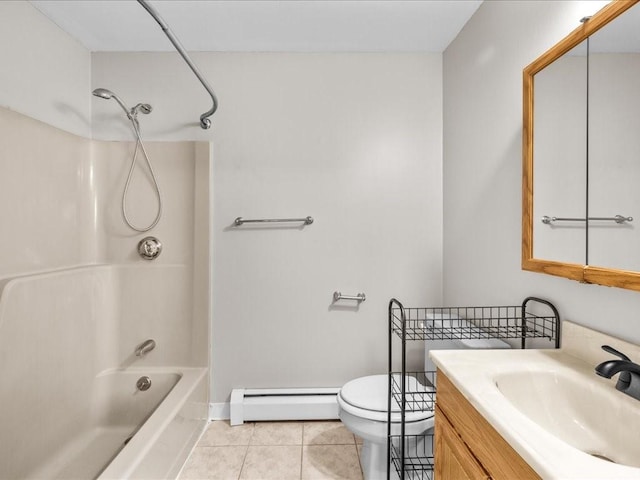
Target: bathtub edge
x=182, y=414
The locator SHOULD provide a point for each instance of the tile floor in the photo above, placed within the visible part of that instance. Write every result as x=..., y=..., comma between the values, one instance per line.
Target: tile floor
x=318, y=450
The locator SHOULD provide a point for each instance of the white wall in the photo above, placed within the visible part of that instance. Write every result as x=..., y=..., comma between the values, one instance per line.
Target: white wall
x=353, y=140
x=482, y=167
x=45, y=73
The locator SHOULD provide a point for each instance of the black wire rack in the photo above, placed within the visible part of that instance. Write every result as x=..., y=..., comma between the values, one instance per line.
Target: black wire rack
x=418, y=456
x=505, y=322
x=419, y=391
x=412, y=456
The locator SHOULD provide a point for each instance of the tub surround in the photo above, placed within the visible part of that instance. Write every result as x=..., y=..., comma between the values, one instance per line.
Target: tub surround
x=76, y=300
x=474, y=374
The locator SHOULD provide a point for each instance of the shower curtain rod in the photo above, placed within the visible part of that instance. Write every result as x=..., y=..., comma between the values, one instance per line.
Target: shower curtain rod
x=204, y=120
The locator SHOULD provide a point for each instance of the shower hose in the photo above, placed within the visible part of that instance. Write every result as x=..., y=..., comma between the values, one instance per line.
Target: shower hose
x=140, y=146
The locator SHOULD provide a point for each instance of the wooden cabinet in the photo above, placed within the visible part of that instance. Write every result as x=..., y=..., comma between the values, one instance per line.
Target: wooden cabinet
x=453, y=459
x=467, y=446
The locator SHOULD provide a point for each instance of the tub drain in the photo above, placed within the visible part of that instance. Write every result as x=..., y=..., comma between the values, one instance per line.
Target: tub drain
x=143, y=383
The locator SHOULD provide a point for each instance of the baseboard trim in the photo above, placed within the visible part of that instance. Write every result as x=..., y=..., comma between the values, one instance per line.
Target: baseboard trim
x=219, y=411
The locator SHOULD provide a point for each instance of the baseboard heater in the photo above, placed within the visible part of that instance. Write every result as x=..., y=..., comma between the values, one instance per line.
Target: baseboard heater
x=264, y=404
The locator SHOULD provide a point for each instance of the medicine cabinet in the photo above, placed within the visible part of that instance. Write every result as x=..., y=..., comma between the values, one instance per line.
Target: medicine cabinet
x=581, y=153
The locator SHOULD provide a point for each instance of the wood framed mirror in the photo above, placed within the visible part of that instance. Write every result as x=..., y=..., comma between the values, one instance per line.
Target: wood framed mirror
x=565, y=250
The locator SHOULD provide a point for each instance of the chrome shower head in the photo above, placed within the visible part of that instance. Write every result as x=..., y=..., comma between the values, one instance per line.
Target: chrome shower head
x=131, y=113
x=108, y=94
x=103, y=93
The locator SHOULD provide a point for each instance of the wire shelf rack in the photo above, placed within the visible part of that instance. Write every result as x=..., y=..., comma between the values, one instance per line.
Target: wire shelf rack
x=419, y=393
x=505, y=322
x=418, y=463
x=412, y=456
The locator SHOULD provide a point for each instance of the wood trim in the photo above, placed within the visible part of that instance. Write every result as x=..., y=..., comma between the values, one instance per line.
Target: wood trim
x=595, y=23
x=497, y=457
x=527, y=168
x=455, y=460
x=572, y=271
x=612, y=277
x=587, y=274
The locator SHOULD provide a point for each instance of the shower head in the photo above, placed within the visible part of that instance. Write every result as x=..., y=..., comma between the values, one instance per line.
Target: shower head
x=108, y=94
x=103, y=93
x=131, y=113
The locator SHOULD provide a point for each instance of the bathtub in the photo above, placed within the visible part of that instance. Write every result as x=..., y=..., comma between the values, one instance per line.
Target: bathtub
x=163, y=440
x=131, y=433
x=68, y=373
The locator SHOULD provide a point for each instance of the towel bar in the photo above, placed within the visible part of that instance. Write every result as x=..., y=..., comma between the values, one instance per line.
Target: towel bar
x=239, y=221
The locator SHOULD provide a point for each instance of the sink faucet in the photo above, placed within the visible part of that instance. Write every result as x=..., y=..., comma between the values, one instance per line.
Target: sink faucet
x=629, y=379
x=145, y=347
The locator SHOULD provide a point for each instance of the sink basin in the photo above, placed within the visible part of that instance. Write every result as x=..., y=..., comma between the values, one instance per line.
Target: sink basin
x=549, y=405
x=586, y=413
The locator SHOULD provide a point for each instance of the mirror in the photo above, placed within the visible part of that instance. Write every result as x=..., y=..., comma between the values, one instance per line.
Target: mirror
x=560, y=170
x=614, y=142
x=581, y=142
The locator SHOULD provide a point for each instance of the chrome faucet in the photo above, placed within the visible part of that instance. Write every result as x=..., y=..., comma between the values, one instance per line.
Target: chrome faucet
x=145, y=347
x=629, y=379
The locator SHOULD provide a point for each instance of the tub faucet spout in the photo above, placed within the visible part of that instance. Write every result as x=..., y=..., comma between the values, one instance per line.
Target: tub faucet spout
x=145, y=347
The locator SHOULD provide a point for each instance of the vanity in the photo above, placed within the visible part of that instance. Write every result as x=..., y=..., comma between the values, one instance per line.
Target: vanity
x=507, y=414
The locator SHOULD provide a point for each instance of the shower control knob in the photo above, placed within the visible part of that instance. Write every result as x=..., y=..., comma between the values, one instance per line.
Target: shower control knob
x=149, y=248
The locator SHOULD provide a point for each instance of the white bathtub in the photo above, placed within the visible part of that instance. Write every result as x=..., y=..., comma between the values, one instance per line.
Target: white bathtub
x=132, y=433
x=161, y=445
x=68, y=375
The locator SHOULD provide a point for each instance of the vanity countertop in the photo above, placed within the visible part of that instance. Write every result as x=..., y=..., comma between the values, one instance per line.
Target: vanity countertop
x=475, y=374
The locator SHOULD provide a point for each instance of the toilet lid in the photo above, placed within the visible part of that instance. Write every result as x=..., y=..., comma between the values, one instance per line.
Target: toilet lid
x=371, y=393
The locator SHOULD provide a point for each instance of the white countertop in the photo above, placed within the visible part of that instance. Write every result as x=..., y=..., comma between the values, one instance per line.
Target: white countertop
x=473, y=372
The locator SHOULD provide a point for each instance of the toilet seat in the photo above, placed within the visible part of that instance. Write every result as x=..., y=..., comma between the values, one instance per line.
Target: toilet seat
x=367, y=398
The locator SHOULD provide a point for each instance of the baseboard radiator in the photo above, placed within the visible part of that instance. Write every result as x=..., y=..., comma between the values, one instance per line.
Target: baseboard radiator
x=265, y=404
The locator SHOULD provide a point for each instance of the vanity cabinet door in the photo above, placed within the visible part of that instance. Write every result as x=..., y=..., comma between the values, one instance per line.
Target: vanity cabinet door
x=454, y=461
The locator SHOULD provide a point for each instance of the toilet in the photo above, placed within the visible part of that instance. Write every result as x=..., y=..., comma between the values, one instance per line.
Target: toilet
x=362, y=403
x=362, y=407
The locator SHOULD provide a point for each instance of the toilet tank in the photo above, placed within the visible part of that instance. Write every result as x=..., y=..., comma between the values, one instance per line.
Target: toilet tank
x=458, y=327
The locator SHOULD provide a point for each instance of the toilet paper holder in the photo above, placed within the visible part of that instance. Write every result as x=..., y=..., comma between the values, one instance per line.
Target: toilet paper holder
x=360, y=297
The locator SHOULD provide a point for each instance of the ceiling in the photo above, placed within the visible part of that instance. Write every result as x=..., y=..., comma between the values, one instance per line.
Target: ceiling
x=264, y=25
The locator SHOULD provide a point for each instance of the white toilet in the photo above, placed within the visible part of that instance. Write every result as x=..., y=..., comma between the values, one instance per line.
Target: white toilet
x=362, y=407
